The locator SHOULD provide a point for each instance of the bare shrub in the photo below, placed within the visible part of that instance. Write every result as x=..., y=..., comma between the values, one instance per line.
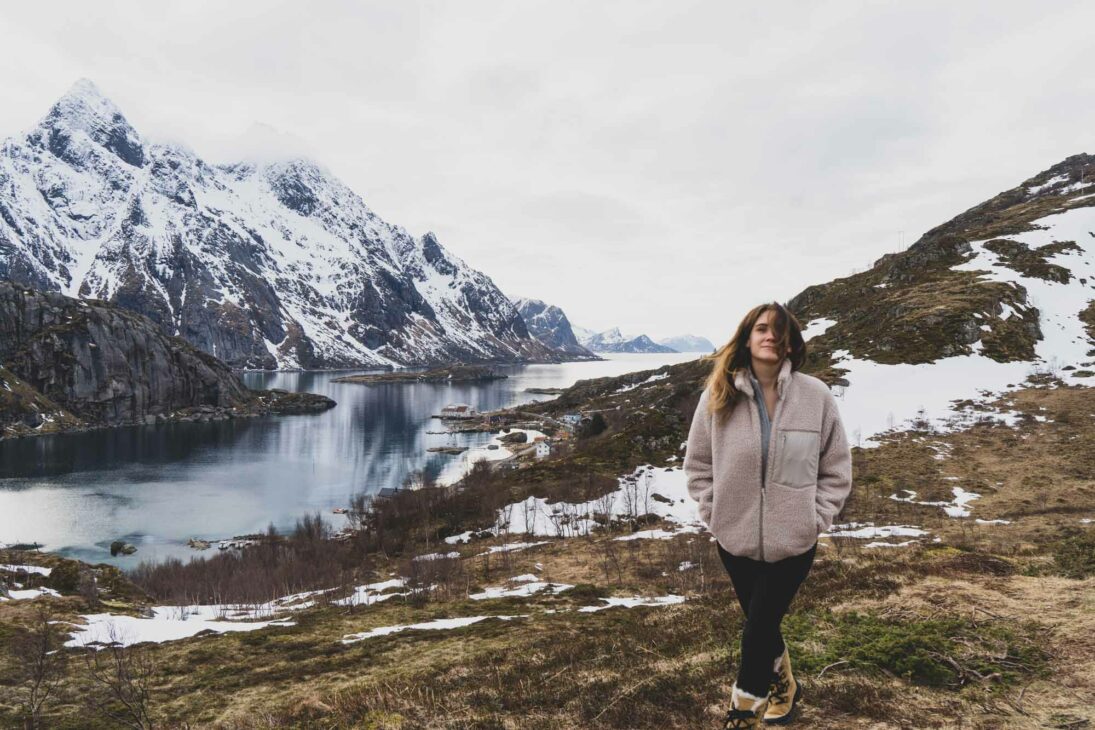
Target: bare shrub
x=123, y=677
x=40, y=663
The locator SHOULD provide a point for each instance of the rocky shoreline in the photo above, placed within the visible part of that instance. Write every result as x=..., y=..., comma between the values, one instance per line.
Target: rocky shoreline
x=454, y=374
x=265, y=403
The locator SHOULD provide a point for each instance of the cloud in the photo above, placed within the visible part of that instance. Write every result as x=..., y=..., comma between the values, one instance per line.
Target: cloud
x=657, y=166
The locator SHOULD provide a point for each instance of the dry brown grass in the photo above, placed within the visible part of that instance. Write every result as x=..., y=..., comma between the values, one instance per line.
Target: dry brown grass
x=671, y=667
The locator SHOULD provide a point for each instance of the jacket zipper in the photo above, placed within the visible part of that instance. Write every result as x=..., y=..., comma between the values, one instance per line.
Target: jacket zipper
x=768, y=470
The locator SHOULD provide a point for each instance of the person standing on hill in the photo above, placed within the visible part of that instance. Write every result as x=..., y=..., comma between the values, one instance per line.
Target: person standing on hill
x=770, y=466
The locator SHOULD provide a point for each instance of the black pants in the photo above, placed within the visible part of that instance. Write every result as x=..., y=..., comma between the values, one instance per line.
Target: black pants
x=764, y=591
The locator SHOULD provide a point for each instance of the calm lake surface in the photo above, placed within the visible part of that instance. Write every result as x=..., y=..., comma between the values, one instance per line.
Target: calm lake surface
x=158, y=486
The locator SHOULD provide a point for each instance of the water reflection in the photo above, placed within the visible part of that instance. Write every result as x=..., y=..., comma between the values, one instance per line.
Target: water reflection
x=158, y=486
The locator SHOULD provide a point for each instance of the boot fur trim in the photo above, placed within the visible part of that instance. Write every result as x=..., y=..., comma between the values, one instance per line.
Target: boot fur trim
x=739, y=697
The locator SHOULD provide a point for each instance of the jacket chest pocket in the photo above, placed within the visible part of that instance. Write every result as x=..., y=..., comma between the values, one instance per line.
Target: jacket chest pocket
x=797, y=458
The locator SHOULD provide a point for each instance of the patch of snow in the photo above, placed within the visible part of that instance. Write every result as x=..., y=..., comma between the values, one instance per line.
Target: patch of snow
x=512, y=546
x=168, y=623
x=370, y=593
x=1055, y=180
x=817, y=327
x=633, y=499
x=955, y=508
x=658, y=534
x=437, y=556
x=669, y=600
x=652, y=379
x=992, y=522
x=26, y=569
x=522, y=585
x=30, y=594
x=436, y=624
x=868, y=530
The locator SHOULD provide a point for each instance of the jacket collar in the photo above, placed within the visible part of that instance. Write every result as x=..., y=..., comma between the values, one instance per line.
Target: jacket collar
x=743, y=379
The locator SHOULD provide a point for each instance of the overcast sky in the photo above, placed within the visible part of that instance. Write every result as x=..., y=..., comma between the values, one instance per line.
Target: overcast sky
x=660, y=167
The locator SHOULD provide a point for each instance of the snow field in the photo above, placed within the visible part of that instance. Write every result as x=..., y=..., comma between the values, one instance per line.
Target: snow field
x=452, y=623
x=634, y=498
x=884, y=397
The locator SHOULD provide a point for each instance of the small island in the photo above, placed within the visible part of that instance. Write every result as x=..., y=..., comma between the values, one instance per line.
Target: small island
x=453, y=374
x=545, y=391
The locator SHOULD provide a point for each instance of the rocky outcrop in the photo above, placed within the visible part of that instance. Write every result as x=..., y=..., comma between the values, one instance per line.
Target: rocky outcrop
x=96, y=364
x=549, y=324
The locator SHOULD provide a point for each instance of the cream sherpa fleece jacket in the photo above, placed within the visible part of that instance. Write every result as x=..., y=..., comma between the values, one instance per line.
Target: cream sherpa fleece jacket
x=780, y=514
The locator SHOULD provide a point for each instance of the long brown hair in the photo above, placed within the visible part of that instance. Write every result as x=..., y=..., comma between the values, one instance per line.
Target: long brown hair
x=734, y=355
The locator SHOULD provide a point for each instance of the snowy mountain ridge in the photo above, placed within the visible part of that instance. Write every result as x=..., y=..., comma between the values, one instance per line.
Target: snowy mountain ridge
x=688, y=343
x=549, y=324
x=613, y=340
x=1000, y=295
x=273, y=265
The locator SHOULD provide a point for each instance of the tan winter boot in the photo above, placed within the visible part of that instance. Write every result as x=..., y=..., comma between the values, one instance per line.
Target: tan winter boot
x=746, y=711
x=783, y=693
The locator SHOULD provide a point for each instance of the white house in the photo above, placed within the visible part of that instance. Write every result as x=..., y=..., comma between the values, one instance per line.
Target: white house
x=543, y=448
x=458, y=410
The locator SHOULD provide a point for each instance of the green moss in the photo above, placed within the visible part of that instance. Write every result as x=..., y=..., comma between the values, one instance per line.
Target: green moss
x=935, y=652
x=1074, y=555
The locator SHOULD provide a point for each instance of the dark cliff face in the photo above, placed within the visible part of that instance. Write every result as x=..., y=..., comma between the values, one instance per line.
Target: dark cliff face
x=550, y=325
x=104, y=364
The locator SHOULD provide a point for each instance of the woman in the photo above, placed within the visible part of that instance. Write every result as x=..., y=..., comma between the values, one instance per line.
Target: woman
x=769, y=464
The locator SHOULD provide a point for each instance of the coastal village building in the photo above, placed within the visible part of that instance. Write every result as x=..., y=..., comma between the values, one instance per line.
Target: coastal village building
x=458, y=411
x=543, y=448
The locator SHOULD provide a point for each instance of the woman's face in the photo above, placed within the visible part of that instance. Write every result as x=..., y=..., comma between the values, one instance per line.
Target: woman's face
x=763, y=344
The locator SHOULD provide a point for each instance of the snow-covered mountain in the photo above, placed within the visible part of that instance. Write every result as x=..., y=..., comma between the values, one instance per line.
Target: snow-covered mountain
x=688, y=343
x=1002, y=293
x=550, y=325
x=614, y=341
x=272, y=265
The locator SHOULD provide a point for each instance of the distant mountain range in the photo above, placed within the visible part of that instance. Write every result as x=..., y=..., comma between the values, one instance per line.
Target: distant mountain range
x=614, y=341
x=688, y=343
x=262, y=265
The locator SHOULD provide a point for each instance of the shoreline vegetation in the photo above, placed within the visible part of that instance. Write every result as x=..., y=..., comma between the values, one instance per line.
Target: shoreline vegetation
x=262, y=403
x=610, y=612
x=452, y=374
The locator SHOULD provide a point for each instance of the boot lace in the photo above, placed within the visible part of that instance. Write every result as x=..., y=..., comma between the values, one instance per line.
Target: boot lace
x=780, y=689
x=740, y=720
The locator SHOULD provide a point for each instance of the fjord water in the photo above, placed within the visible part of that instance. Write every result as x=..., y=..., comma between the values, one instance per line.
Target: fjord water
x=158, y=486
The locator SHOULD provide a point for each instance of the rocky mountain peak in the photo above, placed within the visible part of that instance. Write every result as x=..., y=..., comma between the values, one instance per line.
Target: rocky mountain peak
x=549, y=324
x=84, y=110
x=261, y=264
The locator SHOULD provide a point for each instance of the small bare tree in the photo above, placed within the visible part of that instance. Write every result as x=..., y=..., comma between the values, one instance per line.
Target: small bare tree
x=528, y=512
x=610, y=560
x=605, y=504
x=505, y=517
x=124, y=677
x=39, y=663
